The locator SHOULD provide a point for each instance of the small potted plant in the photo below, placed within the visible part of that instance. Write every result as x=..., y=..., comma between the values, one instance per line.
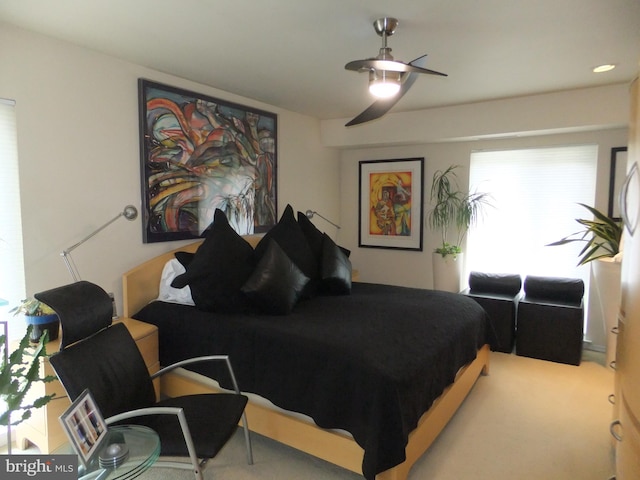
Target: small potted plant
x=456, y=210
x=40, y=316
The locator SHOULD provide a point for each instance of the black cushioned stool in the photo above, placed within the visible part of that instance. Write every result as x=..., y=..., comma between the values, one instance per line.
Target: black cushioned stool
x=551, y=319
x=498, y=294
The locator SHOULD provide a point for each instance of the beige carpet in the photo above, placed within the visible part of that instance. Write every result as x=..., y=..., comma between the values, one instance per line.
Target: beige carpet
x=527, y=420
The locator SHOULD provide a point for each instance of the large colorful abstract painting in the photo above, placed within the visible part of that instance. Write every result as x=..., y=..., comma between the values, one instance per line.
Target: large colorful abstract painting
x=390, y=213
x=200, y=153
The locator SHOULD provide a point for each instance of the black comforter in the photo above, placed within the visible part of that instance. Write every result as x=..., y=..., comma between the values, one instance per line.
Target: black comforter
x=370, y=363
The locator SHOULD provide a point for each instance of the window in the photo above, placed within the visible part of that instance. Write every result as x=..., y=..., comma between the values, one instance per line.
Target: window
x=535, y=194
x=12, y=282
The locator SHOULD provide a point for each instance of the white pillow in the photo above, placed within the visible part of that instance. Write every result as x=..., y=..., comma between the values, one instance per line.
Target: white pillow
x=171, y=270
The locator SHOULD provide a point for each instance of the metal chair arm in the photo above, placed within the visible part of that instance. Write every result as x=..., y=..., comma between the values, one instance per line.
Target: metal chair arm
x=186, y=433
x=206, y=358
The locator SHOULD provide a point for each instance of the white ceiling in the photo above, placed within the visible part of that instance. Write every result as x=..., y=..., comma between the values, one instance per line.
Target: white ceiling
x=291, y=53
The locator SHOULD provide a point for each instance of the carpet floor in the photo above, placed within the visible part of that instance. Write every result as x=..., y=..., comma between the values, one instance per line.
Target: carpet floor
x=527, y=420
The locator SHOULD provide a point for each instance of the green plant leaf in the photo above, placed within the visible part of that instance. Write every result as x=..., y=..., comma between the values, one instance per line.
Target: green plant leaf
x=453, y=208
x=17, y=376
x=601, y=237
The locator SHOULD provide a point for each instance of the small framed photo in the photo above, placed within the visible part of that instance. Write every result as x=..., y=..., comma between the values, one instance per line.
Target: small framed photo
x=390, y=213
x=85, y=427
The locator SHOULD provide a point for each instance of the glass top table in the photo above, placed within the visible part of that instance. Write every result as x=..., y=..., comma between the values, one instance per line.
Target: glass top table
x=133, y=448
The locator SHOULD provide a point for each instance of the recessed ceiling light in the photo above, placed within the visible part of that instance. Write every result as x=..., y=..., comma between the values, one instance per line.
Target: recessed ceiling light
x=604, y=68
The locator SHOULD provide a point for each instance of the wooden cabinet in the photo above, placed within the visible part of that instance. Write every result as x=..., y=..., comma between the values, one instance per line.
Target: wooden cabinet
x=43, y=429
x=626, y=428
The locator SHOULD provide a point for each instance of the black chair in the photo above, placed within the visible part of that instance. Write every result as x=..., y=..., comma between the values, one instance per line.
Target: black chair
x=104, y=358
x=498, y=294
x=551, y=319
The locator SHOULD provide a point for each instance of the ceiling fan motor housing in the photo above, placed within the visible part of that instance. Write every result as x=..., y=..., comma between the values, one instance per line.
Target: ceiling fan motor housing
x=386, y=26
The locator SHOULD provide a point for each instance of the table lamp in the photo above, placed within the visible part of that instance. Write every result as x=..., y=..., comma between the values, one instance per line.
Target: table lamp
x=311, y=213
x=130, y=213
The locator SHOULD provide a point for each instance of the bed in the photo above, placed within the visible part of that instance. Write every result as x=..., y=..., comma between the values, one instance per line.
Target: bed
x=364, y=398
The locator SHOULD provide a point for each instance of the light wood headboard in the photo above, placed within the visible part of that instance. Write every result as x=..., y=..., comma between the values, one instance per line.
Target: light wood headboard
x=141, y=284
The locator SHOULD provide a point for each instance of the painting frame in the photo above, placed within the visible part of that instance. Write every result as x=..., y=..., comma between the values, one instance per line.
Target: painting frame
x=199, y=153
x=390, y=203
x=84, y=414
x=617, y=176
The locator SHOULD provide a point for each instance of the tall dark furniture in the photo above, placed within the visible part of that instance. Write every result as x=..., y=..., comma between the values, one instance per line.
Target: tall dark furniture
x=498, y=294
x=551, y=319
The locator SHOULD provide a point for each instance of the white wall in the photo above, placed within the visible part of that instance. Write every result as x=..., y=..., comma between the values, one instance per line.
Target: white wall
x=411, y=268
x=447, y=135
x=77, y=114
x=79, y=156
x=583, y=109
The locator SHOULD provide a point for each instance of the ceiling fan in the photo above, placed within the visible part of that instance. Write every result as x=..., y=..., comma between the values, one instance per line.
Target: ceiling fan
x=389, y=79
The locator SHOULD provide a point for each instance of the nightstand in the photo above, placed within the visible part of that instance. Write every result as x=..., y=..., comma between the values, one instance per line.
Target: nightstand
x=43, y=429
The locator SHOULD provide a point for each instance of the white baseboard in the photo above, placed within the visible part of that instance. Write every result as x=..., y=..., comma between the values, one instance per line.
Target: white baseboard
x=587, y=345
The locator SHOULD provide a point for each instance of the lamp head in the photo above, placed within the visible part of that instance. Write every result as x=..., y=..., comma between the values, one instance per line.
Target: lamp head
x=130, y=212
x=310, y=213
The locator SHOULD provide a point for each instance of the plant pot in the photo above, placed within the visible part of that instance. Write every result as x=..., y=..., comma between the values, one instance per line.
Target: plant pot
x=447, y=272
x=42, y=323
x=606, y=273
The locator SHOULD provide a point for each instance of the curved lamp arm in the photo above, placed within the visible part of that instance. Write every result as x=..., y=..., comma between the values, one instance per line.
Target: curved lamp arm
x=311, y=213
x=130, y=213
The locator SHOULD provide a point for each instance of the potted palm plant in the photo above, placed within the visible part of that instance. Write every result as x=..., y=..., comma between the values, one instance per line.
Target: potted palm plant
x=457, y=211
x=40, y=316
x=602, y=238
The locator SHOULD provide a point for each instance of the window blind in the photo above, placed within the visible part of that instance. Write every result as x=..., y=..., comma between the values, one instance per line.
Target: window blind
x=535, y=202
x=12, y=279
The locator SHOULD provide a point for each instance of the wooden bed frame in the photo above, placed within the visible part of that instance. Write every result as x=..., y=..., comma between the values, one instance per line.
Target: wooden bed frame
x=141, y=285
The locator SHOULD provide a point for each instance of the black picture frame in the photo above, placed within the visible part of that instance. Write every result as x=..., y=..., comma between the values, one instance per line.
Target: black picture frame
x=617, y=176
x=199, y=153
x=390, y=213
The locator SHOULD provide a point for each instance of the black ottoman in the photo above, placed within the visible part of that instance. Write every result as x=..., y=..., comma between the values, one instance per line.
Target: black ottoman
x=551, y=319
x=498, y=294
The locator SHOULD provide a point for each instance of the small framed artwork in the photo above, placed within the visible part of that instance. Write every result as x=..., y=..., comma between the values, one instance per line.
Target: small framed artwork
x=84, y=426
x=391, y=204
x=198, y=154
x=617, y=176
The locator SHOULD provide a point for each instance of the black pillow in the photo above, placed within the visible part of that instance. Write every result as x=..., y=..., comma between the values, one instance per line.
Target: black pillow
x=276, y=283
x=219, y=268
x=312, y=234
x=184, y=258
x=335, y=269
x=288, y=234
x=562, y=289
x=502, y=283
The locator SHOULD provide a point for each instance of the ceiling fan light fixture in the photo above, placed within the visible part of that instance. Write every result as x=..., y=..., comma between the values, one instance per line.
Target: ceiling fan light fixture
x=384, y=84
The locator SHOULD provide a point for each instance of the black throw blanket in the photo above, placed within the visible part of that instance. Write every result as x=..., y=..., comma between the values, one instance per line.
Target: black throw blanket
x=370, y=363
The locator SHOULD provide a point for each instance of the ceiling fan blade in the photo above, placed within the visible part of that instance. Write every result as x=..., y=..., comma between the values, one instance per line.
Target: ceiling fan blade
x=378, y=108
x=420, y=61
x=389, y=66
x=359, y=65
